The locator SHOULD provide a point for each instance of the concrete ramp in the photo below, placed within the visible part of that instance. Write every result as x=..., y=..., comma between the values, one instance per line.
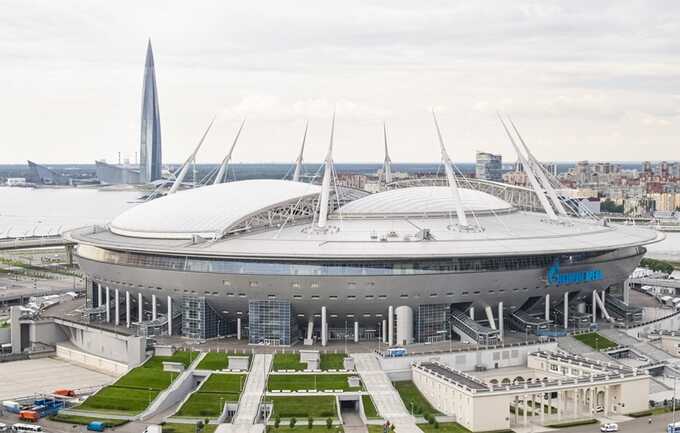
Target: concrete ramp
x=253, y=391
x=233, y=428
x=386, y=398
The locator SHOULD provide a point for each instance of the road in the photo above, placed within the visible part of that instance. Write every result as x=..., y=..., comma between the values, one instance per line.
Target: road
x=640, y=425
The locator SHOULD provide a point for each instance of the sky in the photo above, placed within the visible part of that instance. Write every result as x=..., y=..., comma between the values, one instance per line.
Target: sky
x=581, y=79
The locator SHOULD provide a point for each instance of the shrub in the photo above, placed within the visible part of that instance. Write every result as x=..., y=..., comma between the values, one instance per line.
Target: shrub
x=329, y=422
x=310, y=422
x=435, y=424
x=292, y=422
x=277, y=421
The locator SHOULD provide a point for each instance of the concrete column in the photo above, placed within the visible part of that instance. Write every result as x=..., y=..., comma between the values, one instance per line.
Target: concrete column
x=500, y=319
x=593, y=397
x=547, y=307
x=238, y=328
x=489, y=316
x=154, y=312
x=606, y=400
x=356, y=332
x=577, y=400
x=559, y=404
x=626, y=292
x=540, y=407
x=100, y=298
x=310, y=328
x=566, y=311
x=116, y=318
x=108, y=306
x=472, y=313
x=324, y=327
x=140, y=308
x=384, y=331
x=550, y=405
x=169, y=315
x=594, y=307
x=390, y=325
x=127, y=309
x=526, y=409
x=516, y=409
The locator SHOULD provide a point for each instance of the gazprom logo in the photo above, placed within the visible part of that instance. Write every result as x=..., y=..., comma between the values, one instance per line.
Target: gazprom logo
x=554, y=276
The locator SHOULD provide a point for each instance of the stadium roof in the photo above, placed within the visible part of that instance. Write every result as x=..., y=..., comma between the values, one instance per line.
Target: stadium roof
x=209, y=211
x=424, y=200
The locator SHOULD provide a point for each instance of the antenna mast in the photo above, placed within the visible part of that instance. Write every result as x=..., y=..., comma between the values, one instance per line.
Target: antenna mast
x=298, y=162
x=225, y=162
x=187, y=163
x=448, y=166
x=387, y=165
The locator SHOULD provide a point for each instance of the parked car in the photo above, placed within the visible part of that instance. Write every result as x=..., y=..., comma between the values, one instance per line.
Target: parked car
x=97, y=426
x=609, y=427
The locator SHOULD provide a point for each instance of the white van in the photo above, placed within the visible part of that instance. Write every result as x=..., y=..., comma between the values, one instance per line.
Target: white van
x=3, y=427
x=609, y=427
x=27, y=428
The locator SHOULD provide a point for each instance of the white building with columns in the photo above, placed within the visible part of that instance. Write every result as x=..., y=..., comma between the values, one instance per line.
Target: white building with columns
x=553, y=388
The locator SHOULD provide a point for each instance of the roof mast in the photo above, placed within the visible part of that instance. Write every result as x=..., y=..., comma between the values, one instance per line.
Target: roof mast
x=187, y=163
x=223, y=167
x=298, y=163
x=541, y=175
x=530, y=174
x=448, y=166
x=326, y=182
x=387, y=165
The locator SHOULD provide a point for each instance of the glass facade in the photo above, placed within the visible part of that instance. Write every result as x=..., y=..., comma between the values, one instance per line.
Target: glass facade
x=271, y=322
x=200, y=320
x=282, y=267
x=432, y=323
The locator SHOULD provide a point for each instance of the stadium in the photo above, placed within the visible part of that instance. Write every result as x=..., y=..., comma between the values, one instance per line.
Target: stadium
x=251, y=258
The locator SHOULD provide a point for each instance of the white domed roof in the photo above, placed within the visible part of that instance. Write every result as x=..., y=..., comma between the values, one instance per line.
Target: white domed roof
x=207, y=211
x=430, y=200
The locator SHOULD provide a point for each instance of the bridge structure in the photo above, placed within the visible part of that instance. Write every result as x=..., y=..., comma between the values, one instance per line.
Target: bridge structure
x=659, y=282
x=33, y=242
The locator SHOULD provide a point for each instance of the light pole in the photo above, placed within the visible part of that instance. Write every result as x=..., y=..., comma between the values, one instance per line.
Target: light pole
x=675, y=380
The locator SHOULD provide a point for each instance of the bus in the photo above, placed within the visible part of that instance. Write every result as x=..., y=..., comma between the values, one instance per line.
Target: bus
x=394, y=352
x=31, y=428
x=673, y=428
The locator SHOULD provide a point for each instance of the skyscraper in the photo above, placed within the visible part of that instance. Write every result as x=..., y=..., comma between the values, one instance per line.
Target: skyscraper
x=489, y=166
x=150, y=144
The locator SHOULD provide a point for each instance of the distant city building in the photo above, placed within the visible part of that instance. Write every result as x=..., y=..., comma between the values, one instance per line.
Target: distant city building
x=16, y=181
x=489, y=166
x=150, y=160
x=42, y=175
x=117, y=174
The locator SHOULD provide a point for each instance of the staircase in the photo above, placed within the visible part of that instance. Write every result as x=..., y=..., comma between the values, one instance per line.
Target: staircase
x=386, y=398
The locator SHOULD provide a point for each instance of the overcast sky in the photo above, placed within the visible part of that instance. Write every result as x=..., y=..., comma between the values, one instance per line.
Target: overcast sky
x=582, y=79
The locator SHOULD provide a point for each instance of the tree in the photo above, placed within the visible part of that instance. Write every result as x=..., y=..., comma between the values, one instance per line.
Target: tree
x=292, y=422
x=277, y=421
x=310, y=422
x=611, y=207
x=329, y=422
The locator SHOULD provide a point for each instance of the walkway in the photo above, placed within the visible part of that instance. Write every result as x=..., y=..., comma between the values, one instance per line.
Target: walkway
x=386, y=398
x=253, y=391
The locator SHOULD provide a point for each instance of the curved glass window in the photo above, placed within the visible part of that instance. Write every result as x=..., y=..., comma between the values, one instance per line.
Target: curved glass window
x=311, y=268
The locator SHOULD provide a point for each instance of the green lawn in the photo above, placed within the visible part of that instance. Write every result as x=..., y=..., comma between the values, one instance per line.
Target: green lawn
x=445, y=427
x=303, y=407
x=186, y=428
x=369, y=408
x=209, y=400
x=409, y=393
x=301, y=427
x=319, y=382
x=85, y=420
x=132, y=393
x=288, y=361
x=113, y=399
x=229, y=383
x=330, y=361
x=595, y=340
x=214, y=361
x=218, y=360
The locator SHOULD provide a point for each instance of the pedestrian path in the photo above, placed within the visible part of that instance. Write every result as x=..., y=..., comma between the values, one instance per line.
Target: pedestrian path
x=253, y=391
x=386, y=398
